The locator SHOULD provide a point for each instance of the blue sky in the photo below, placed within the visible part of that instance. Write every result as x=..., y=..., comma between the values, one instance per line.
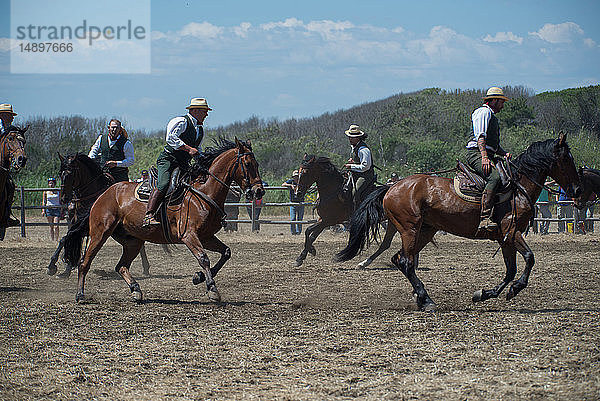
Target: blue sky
x=300, y=59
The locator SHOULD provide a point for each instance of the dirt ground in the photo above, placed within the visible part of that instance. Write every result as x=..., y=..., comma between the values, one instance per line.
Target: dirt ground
x=321, y=331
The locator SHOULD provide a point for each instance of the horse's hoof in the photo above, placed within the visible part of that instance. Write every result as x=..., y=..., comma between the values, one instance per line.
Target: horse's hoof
x=510, y=294
x=364, y=263
x=214, y=295
x=477, y=296
x=429, y=307
x=65, y=274
x=52, y=270
x=312, y=251
x=198, y=278
x=299, y=262
x=79, y=297
x=137, y=296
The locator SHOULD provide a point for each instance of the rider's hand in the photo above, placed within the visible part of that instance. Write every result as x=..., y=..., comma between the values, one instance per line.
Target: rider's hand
x=486, y=165
x=192, y=151
x=111, y=164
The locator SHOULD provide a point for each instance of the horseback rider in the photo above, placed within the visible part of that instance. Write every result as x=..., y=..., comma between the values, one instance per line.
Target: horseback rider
x=114, y=151
x=184, y=136
x=6, y=118
x=484, y=151
x=360, y=164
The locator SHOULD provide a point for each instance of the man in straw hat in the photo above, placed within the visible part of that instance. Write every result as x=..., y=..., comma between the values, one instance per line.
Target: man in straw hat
x=360, y=164
x=114, y=151
x=7, y=186
x=184, y=136
x=484, y=151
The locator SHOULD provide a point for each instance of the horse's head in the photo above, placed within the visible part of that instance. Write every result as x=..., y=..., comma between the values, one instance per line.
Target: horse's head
x=246, y=173
x=589, y=179
x=563, y=169
x=306, y=174
x=69, y=178
x=13, y=149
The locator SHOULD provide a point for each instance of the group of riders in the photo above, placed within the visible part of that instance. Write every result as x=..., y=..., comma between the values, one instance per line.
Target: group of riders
x=184, y=135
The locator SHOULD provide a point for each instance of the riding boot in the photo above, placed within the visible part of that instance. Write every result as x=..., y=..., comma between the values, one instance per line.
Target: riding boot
x=155, y=198
x=487, y=203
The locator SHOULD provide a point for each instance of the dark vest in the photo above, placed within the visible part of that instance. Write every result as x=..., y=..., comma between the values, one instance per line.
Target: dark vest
x=369, y=175
x=115, y=153
x=492, y=135
x=188, y=137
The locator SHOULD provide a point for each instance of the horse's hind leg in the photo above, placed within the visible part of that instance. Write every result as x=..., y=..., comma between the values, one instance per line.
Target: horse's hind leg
x=131, y=248
x=215, y=245
x=527, y=254
x=52, y=266
x=145, y=263
x=390, y=231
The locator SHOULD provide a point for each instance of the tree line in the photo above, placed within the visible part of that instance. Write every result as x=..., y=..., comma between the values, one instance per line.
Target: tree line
x=407, y=132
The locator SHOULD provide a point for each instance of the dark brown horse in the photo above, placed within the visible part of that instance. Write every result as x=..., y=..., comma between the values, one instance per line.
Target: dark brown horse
x=333, y=206
x=193, y=222
x=590, y=180
x=420, y=205
x=12, y=157
x=82, y=182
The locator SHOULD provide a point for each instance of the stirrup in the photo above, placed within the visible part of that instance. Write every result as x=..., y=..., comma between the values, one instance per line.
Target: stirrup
x=149, y=220
x=487, y=224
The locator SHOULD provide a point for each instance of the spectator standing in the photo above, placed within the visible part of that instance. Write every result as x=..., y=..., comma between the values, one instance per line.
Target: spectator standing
x=393, y=179
x=257, y=208
x=564, y=210
x=232, y=212
x=51, y=198
x=296, y=211
x=543, y=209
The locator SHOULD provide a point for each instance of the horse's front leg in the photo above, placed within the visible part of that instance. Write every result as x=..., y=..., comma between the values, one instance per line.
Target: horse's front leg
x=311, y=233
x=145, y=263
x=509, y=254
x=191, y=240
x=215, y=245
x=527, y=254
x=52, y=266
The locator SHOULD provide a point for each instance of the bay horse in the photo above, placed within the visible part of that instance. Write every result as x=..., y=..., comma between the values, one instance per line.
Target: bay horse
x=332, y=206
x=420, y=205
x=82, y=182
x=193, y=222
x=12, y=157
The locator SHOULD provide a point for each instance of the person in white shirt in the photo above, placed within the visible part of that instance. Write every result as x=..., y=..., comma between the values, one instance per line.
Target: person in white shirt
x=484, y=151
x=114, y=151
x=184, y=137
x=360, y=164
x=53, y=214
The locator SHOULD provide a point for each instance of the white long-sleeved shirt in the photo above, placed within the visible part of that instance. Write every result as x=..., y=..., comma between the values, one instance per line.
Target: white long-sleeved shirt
x=127, y=150
x=176, y=127
x=364, y=155
x=480, y=119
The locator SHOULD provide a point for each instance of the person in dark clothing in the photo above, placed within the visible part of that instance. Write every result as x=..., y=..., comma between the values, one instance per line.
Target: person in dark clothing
x=296, y=211
x=114, y=151
x=360, y=164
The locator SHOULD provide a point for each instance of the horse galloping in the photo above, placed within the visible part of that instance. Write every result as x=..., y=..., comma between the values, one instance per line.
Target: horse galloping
x=420, y=205
x=193, y=222
x=12, y=156
x=333, y=207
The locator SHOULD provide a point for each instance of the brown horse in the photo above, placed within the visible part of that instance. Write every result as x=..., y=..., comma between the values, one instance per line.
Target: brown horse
x=12, y=157
x=193, y=222
x=333, y=206
x=590, y=180
x=420, y=205
x=82, y=182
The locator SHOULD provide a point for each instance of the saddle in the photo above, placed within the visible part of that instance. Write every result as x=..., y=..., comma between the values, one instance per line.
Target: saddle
x=470, y=186
x=175, y=192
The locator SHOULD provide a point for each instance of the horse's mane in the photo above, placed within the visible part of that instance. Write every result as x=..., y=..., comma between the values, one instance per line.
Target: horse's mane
x=90, y=164
x=208, y=156
x=324, y=162
x=593, y=170
x=539, y=156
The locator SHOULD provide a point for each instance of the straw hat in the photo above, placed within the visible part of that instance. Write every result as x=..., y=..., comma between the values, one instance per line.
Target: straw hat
x=354, y=131
x=7, y=108
x=198, y=103
x=495, y=93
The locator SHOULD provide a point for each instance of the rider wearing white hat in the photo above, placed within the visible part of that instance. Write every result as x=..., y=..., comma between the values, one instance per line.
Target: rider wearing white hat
x=360, y=164
x=184, y=137
x=484, y=150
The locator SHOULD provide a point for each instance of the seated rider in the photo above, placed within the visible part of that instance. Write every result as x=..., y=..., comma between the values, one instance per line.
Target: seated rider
x=360, y=164
x=484, y=151
x=184, y=136
x=6, y=118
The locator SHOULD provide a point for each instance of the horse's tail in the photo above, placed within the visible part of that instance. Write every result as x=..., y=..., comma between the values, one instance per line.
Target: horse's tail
x=364, y=224
x=74, y=240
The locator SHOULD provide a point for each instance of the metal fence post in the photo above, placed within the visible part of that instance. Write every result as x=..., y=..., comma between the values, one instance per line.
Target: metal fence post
x=22, y=190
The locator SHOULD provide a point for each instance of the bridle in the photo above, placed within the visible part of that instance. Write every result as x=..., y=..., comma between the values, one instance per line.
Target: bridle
x=234, y=166
x=76, y=192
x=12, y=150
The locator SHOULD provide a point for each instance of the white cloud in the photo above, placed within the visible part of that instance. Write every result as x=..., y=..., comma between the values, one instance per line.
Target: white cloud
x=242, y=29
x=330, y=30
x=559, y=33
x=503, y=37
x=288, y=23
x=589, y=42
x=203, y=30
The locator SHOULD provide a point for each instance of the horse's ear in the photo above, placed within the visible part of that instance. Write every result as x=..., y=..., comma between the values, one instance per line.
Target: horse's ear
x=238, y=143
x=562, y=138
x=62, y=159
x=580, y=172
x=305, y=156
